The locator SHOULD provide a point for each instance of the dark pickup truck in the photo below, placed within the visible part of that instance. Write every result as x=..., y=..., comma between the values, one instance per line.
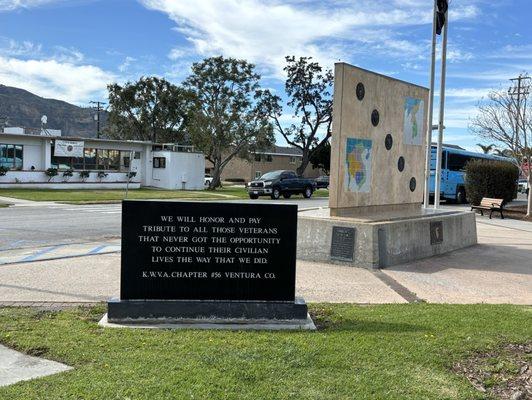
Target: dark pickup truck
x=281, y=183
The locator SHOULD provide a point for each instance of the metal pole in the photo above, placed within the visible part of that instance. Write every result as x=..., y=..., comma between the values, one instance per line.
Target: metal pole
x=98, y=121
x=437, y=182
x=131, y=155
x=430, y=113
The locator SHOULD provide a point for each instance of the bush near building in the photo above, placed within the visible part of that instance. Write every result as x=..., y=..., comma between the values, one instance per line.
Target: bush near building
x=495, y=179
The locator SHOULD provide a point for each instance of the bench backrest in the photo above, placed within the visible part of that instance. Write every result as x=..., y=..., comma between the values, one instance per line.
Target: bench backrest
x=489, y=202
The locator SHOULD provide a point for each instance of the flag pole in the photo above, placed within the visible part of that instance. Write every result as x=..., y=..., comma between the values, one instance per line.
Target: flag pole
x=428, y=155
x=437, y=182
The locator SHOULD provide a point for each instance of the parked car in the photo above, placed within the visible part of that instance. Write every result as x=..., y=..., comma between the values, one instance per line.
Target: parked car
x=281, y=183
x=523, y=186
x=322, y=182
x=208, y=180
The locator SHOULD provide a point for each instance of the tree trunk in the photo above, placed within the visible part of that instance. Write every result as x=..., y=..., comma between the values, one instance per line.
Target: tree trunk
x=529, y=204
x=216, y=174
x=304, y=163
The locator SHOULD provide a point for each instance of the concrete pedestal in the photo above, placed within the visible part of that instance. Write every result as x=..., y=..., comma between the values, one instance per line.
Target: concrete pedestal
x=383, y=239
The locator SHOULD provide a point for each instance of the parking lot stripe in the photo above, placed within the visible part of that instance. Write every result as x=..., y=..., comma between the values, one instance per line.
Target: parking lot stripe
x=40, y=253
x=97, y=249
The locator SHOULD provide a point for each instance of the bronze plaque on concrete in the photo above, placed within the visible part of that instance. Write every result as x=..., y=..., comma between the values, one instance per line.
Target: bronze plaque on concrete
x=436, y=232
x=342, y=243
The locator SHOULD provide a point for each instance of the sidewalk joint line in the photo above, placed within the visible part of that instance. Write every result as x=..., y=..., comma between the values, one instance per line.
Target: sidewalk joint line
x=401, y=290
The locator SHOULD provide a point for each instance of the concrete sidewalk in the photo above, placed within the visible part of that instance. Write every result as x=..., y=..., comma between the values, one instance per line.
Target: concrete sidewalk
x=16, y=367
x=497, y=270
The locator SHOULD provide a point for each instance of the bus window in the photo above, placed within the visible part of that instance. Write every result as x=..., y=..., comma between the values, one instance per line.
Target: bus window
x=457, y=162
x=433, y=159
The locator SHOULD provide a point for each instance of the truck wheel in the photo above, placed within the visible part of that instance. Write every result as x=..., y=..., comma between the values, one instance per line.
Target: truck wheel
x=307, y=193
x=253, y=196
x=461, y=196
x=276, y=193
x=287, y=195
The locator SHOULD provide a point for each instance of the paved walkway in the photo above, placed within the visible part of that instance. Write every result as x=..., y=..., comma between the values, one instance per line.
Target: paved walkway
x=16, y=367
x=498, y=270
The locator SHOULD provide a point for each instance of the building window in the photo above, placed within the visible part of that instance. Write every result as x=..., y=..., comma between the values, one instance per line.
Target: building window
x=269, y=158
x=11, y=156
x=258, y=174
x=159, y=162
x=257, y=157
x=93, y=159
x=293, y=160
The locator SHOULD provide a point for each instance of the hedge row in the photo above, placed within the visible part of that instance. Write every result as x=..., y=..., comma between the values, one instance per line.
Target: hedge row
x=495, y=179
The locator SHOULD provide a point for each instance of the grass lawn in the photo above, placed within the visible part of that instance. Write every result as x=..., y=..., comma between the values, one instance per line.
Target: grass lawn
x=360, y=352
x=110, y=195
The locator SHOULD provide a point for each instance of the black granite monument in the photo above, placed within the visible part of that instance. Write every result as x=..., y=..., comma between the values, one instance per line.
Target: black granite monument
x=206, y=260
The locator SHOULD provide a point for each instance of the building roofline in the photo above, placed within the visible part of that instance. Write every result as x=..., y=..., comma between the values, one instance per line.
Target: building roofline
x=84, y=139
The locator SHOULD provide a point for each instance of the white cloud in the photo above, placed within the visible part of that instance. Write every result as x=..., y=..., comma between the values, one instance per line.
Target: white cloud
x=126, y=64
x=9, y=5
x=266, y=31
x=54, y=79
x=467, y=93
x=10, y=47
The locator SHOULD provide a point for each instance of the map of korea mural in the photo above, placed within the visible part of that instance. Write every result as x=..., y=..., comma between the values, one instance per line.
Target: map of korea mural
x=358, y=165
x=413, y=121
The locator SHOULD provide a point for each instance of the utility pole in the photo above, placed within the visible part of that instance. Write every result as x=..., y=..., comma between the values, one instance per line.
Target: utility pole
x=517, y=90
x=99, y=108
x=520, y=90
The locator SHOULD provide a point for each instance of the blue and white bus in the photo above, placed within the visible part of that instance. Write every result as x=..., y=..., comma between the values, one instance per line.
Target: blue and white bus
x=453, y=163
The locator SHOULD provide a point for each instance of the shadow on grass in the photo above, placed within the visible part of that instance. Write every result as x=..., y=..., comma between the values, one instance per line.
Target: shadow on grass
x=326, y=320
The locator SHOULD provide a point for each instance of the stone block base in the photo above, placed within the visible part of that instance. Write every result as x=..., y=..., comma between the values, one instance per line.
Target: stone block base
x=209, y=314
x=383, y=240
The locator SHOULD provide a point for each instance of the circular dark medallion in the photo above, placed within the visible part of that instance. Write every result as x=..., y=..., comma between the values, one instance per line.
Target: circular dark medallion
x=388, y=141
x=401, y=164
x=412, y=184
x=360, y=90
x=375, y=118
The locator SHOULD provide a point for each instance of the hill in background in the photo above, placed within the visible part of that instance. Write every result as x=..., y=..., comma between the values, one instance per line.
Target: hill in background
x=25, y=109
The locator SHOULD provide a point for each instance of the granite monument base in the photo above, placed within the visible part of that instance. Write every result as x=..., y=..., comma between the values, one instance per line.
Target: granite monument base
x=383, y=239
x=201, y=314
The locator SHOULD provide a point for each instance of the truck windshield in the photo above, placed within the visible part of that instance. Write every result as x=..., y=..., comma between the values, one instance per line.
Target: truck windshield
x=271, y=175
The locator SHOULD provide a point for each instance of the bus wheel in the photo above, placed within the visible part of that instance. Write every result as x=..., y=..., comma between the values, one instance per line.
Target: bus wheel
x=461, y=196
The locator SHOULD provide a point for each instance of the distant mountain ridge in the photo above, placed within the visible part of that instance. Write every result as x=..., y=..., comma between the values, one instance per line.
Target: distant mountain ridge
x=25, y=109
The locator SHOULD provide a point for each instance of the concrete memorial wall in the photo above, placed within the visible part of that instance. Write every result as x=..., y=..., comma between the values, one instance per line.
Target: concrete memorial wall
x=378, y=143
x=375, y=217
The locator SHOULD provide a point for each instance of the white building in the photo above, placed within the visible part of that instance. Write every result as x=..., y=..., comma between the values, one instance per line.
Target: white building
x=26, y=158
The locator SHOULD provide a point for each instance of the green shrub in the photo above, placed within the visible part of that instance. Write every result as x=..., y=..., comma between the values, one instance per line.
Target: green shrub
x=485, y=178
x=3, y=170
x=84, y=175
x=51, y=172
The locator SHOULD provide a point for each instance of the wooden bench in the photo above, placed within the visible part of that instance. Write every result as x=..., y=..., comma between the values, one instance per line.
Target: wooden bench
x=490, y=205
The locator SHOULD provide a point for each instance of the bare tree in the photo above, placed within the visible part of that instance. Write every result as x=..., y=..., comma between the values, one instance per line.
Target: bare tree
x=503, y=120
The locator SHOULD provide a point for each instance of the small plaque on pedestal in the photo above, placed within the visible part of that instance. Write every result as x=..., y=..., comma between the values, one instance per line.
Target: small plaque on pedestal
x=210, y=264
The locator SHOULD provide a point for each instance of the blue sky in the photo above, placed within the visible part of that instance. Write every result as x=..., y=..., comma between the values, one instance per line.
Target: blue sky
x=71, y=49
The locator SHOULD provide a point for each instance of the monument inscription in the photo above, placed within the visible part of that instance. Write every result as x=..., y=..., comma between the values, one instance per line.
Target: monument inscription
x=342, y=243
x=208, y=251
